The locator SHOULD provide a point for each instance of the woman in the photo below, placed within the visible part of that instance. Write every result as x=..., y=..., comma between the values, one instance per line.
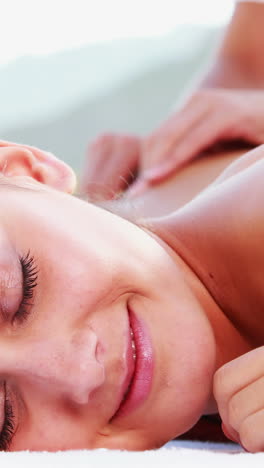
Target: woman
x=116, y=336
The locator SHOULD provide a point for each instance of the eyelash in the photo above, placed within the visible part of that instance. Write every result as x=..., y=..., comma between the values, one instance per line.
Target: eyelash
x=8, y=427
x=30, y=276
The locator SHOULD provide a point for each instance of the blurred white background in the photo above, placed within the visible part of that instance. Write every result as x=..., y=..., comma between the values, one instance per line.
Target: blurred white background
x=71, y=69
x=37, y=27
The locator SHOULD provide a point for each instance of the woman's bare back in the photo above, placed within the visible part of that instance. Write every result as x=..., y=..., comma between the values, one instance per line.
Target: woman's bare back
x=184, y=185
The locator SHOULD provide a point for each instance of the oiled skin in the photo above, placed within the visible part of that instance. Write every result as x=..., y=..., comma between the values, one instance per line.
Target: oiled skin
x=184, y=185
x=168, y=196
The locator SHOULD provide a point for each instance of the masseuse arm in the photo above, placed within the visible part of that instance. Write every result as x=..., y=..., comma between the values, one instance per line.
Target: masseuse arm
x=239, y=62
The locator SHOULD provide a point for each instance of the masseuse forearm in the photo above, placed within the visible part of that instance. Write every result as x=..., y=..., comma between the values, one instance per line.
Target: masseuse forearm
x=240, y=60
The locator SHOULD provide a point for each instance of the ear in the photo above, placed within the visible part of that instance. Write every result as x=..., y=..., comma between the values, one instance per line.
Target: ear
x=21, y=160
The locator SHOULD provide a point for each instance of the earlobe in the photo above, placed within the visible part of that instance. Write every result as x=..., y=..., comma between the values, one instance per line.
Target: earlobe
x=21, y=160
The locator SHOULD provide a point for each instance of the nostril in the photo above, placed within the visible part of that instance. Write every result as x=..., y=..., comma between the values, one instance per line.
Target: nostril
x=99, y=352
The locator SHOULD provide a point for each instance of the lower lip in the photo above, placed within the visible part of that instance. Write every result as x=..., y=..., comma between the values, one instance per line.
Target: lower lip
x=142, y=379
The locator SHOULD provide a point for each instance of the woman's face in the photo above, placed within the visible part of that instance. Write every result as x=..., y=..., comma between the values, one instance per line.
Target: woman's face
x=67, y=355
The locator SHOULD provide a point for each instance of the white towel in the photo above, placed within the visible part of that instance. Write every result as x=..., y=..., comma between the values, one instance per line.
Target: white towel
x=176, y=454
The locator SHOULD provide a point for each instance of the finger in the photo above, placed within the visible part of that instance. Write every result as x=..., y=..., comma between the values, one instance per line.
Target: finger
x=245, y=402
x=120, y=169
x=118, y=182
x=235, y=376
x=97, y=155
x=252, y=432
x=112, y=164
x=201, y=137
x=101, y=184
x=162, y=143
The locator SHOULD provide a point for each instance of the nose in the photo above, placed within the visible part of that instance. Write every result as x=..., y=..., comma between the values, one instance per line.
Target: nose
x=64, y=366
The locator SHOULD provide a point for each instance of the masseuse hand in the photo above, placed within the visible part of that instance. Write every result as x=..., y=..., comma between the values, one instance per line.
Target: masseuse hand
x=209, y=116
x=239, y=393
x=110, y=165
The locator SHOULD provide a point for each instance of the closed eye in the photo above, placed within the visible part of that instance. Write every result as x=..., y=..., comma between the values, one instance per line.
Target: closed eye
x=30, y=277
x=8, y=428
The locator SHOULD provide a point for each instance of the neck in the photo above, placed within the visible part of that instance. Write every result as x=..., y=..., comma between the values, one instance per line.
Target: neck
x=229, y=343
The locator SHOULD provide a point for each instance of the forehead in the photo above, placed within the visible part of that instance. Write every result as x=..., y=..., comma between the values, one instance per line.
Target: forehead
x=30, y=187
x=33, y=209
x=26, y=202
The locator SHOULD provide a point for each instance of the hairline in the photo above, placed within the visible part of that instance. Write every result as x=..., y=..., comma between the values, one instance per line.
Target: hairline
x=119, y=206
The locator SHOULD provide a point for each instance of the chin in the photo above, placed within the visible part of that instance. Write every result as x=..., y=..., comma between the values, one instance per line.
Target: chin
x=192, y=391
x=183, y=412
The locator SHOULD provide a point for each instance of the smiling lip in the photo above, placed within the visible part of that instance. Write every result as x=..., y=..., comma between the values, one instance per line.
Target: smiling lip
x=140, y=371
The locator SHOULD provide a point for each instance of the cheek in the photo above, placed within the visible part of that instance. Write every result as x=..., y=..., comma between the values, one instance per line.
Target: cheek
x=193, y=367
x=73, y=429
x=184, y=362
x=39, y=439
x=69, y=288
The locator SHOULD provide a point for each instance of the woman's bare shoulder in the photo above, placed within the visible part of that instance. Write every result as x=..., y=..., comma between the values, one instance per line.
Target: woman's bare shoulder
x=221, y=232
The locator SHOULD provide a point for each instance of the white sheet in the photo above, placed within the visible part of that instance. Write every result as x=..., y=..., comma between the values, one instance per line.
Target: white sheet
x=177, y=454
